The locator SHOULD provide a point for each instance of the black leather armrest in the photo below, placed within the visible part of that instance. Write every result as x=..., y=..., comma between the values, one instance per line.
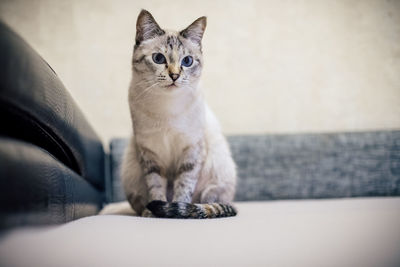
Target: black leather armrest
x=35, y=107
x=38, y=189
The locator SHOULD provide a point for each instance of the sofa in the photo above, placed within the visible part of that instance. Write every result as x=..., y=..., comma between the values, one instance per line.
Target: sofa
x=323, y=199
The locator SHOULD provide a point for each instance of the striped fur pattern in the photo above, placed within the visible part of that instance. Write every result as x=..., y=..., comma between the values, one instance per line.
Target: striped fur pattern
x=177, y=157
x=183, y=210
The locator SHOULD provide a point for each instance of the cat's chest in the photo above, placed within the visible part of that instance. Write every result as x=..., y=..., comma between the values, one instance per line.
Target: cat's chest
x=169, y=145
x=169, y=139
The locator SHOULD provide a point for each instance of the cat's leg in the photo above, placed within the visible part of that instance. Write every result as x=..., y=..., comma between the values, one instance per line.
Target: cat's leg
x=152, y=174
x=132, y=179
x=188, y=173
x=217, y=194
x=219, y=173
x=221, y=184
x=141, y=179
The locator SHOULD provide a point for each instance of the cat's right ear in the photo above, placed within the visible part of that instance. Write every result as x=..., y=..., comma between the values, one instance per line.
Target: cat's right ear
x=146, y=27
x=195, y=30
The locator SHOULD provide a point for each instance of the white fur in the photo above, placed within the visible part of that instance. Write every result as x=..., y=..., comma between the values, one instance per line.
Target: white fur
x=169, y=120
x=168, y=135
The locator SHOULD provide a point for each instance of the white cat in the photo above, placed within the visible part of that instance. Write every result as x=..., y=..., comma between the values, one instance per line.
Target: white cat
x=178, y=163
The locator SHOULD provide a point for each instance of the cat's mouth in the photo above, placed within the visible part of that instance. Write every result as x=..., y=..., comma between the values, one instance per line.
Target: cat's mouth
x=172, y=86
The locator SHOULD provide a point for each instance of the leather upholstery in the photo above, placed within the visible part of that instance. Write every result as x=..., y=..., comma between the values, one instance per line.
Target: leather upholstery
x=35, y=107
x=37, y=189
x=51, y=161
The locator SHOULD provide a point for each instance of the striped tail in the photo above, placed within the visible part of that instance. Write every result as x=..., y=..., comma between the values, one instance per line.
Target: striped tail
x=184, y=210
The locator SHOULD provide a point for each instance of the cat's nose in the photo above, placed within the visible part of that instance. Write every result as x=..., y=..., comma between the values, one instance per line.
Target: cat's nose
x=174, y=76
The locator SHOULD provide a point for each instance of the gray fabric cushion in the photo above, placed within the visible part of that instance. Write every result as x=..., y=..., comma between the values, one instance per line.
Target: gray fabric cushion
x=303, y=166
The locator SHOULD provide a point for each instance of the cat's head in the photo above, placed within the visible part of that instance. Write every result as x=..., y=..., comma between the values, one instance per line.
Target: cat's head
x=167, y=59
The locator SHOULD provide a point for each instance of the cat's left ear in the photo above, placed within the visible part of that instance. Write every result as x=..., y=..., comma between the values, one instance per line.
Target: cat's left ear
x=195, y=30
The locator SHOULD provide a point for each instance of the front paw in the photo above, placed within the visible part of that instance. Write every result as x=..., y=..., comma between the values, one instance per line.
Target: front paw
x=147, y=213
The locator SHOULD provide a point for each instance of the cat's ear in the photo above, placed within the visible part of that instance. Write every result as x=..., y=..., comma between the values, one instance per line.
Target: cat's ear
x=195, y=30
x=146, y=27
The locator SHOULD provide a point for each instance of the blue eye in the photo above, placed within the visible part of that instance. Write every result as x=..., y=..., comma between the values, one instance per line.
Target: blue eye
x=187, y=61
x=159, y=58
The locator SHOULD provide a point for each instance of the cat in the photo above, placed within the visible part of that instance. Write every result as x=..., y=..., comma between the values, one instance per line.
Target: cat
x=178, y=163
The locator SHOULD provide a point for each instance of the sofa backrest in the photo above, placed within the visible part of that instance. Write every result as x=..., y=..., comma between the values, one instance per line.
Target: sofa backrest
x=303, y=166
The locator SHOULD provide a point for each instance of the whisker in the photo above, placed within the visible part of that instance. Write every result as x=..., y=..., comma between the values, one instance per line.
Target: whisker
x=146, y=90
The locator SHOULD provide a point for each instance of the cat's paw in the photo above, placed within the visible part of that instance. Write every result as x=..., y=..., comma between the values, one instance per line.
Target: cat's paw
x=148, y=214
x=118, y=208
x=210, y=194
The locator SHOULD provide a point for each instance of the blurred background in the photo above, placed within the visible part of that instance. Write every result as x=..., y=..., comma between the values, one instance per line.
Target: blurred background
x=270, y=66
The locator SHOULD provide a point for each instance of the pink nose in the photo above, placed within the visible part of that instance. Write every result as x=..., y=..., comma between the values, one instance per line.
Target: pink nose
x=174, y=76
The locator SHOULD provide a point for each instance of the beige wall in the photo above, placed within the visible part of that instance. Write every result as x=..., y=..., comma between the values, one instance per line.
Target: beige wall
x=270, y=66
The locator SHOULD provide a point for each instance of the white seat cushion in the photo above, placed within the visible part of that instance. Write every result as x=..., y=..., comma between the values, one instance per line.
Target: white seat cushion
x=341, y=232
